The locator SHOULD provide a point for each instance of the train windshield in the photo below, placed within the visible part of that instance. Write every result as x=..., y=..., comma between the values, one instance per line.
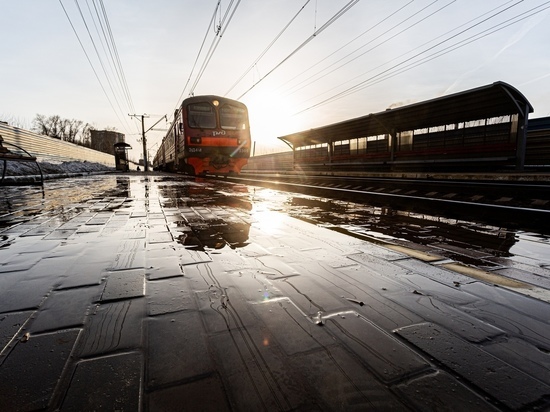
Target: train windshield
x=233, y=117
x=201, y=115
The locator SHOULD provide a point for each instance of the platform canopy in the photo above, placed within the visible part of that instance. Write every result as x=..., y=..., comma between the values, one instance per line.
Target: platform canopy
x=122, y=145
x=494, y=100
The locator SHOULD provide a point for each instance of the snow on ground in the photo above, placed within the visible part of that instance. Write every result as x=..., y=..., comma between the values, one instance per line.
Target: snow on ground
x=17, y=171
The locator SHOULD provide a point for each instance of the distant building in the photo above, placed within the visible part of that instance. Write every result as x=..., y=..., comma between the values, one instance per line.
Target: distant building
x=104, y=140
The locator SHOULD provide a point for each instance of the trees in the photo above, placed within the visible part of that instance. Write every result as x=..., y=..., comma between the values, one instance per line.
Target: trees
x=69, y=130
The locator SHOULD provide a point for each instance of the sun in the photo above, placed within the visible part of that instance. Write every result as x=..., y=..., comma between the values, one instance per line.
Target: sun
x=271, y=115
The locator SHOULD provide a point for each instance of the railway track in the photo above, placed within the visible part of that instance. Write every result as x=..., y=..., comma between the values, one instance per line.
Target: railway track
x=518, y=205
x=488, y=236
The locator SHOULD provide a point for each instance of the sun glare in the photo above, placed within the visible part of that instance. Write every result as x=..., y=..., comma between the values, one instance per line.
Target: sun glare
x=271, y=115
x=270, y=223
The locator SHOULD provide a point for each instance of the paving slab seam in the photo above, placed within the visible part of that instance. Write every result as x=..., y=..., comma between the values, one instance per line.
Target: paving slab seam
x=185, y=381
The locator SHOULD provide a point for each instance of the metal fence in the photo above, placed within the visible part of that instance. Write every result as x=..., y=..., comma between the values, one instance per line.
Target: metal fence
x=48, y=149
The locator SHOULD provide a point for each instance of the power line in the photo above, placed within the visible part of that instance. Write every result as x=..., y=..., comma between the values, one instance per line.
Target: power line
x=215, y=43
x=339, y=14
x=103, y=41
x=106, y=38
x=88, y=58
x=377, y=45
x=198, y=54
x=117, y=57
x=98, y=55
x=389, y=74
x=262, y=54
x=347, y=44
x=463, y=43
x=428, y=42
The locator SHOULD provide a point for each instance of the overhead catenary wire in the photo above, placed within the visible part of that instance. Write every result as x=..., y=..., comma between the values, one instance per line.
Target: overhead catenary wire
x=198, y=54
x=109, y=49
x=462, y=43
x=219, y=32
x=340, y=13
x=215, y=43
x=351, y=90
x=379, y=77
x=114, y=62
x=262, y=54
x=348, y=43
x=313, y=80
x=117, y=57
x=431, y=41
x=99, y=57
x=89, y=61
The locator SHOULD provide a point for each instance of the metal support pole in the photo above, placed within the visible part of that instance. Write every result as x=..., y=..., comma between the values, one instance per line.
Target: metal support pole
x=143, y=138
x=144, y=141
x=523, y=119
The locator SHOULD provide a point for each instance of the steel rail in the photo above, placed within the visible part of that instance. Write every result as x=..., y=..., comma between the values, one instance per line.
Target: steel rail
x=500, y=214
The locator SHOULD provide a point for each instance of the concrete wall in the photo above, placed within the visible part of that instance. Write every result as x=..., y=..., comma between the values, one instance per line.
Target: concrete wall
x=49, y=149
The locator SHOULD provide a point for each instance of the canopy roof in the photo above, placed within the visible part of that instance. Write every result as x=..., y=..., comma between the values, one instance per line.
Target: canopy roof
x=122, y=144
x=497, y=99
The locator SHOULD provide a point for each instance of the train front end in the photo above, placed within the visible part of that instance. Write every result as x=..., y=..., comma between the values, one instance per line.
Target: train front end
x=216, y=135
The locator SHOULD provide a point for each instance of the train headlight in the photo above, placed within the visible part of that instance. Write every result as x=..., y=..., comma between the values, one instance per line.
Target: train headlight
x=216, y=103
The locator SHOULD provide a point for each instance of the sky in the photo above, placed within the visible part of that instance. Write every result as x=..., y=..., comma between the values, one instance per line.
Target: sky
x=296, y=64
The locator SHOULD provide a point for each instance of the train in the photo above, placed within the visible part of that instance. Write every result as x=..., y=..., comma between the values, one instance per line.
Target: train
x=209, y=135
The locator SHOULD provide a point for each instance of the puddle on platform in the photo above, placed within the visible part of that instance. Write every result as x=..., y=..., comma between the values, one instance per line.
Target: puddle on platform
x=214, y=214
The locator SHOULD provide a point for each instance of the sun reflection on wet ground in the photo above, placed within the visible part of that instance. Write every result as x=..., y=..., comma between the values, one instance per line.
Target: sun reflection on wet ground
x=215, y=214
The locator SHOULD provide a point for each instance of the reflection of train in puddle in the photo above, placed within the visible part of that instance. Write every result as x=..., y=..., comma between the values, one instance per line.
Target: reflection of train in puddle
x=215, y=235
x=207, y=217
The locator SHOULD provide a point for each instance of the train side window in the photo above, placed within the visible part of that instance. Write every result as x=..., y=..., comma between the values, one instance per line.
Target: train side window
x=201, y=115
x=232, y=117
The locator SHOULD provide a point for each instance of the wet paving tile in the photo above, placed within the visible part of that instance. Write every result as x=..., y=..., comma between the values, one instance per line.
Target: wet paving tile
x=431, y=392
x=20, y=262
x=93, y=380
x=160, y=237
x=177, y=349
x=207, y=394
x=164, y=267
x=34, y=375
x=11, y=325
x=124, y=284
x=53, y=313
x=476, y=365
x=523, y=355
x=113, y=327
x=388, y=358
x=172, y=293
x=168, y=296
x=347, y=385
x=61, y=234
x=18, y=294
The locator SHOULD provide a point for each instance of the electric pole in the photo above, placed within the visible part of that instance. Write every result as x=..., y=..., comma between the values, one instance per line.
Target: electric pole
x=143, y=139
x=143, y=131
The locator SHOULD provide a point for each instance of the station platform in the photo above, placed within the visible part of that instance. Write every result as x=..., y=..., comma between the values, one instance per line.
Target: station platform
x=145, y=292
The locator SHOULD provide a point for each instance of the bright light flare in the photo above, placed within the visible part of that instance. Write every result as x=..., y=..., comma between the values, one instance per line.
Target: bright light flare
x=271, y=115
x=269, y=222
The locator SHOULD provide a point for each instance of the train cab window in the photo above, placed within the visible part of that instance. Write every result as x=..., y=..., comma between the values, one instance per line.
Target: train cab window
x=232, y=117
x=201, y=115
